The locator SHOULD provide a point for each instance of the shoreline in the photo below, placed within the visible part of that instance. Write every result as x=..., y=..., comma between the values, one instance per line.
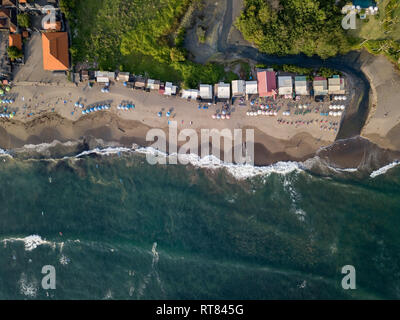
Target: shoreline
x=55, y=118
x=354, y=154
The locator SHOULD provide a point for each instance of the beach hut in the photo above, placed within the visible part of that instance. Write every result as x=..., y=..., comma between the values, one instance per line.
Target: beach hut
x=123, y=76
x=251, y=88
x=206, y=92
x=190, y=94
x=223, y=91
x=85, y=75
x=300, y=85
x=320, y=85
x=140, y=83
x=238, y=88
x=170, y=89
x=336, y=85
x=285, y=84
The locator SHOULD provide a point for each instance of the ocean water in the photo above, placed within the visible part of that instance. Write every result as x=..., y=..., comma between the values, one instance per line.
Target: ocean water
x=115, y=227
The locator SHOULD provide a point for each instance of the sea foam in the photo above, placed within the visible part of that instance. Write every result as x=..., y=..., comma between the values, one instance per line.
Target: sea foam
x=384, y=169
x=30, y=242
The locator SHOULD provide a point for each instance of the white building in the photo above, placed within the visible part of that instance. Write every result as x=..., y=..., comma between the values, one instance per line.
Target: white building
x=170, y=89
x=300, y=85
x=238, y=88
x=251, y=87
x=285, y=85
x=223, y=90
x=190, y=94
x=206, y=92
x=123, y=76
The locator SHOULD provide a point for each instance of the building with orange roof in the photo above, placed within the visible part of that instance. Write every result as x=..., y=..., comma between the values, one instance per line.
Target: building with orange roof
x=9, y=3
x=15, y=40
x=8, y=19
x=55, y=51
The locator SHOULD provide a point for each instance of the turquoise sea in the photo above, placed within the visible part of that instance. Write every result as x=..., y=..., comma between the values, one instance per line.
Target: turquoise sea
x=115, y=227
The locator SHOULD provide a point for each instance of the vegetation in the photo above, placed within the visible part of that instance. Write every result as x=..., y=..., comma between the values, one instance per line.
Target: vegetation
x=294, y=26
x=24, y=20
x=201, y=34
x=309, y=72
x=14, y=53
x=380, y=34
x=133, y=34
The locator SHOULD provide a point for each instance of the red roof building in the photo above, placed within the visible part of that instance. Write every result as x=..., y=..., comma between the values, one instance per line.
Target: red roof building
x=266, y=83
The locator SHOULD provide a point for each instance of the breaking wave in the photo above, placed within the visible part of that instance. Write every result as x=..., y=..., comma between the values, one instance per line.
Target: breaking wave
x=238, y=171
x=384, y=169
x=30, y=242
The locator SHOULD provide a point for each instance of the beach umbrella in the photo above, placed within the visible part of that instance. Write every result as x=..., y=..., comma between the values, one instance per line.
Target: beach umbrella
x=125, y=83
x=223, y=117
x=76, y=104
x=228, y=116
x=83, y=112
x=218, y=116
x=259, y=112
x=8, y=88
x=159, y=114
x=1, y=91
x=213, y=116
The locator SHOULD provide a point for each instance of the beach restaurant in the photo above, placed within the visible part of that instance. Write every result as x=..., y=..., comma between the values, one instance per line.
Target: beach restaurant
x=190, y=94
x=123, y=76
x=169, y=89
x=140, y=83
x=223, y=91
x=320, y=85
x=266, y=81
x=238, y=88
x=251, y=88
x=285, y=85
x=336, y=85
x=152, y=84
x=300, y=85
x=206, y=93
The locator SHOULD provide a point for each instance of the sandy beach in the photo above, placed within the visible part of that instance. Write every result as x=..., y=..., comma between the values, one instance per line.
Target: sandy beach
x=46, y=112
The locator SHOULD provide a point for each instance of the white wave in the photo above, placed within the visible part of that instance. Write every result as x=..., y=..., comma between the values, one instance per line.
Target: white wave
x=30, y=242
x=239, y=171
x=5, y=153
x=28, y=288
x=106, y=151
x=384, y=169
x=346, y=169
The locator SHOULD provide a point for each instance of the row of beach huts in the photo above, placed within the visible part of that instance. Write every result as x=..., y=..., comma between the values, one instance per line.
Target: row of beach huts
x=268, y=84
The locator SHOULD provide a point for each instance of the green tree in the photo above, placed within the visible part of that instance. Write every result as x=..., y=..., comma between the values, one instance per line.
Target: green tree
x=14, y=53
x=177, y=55
x=24, y=20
